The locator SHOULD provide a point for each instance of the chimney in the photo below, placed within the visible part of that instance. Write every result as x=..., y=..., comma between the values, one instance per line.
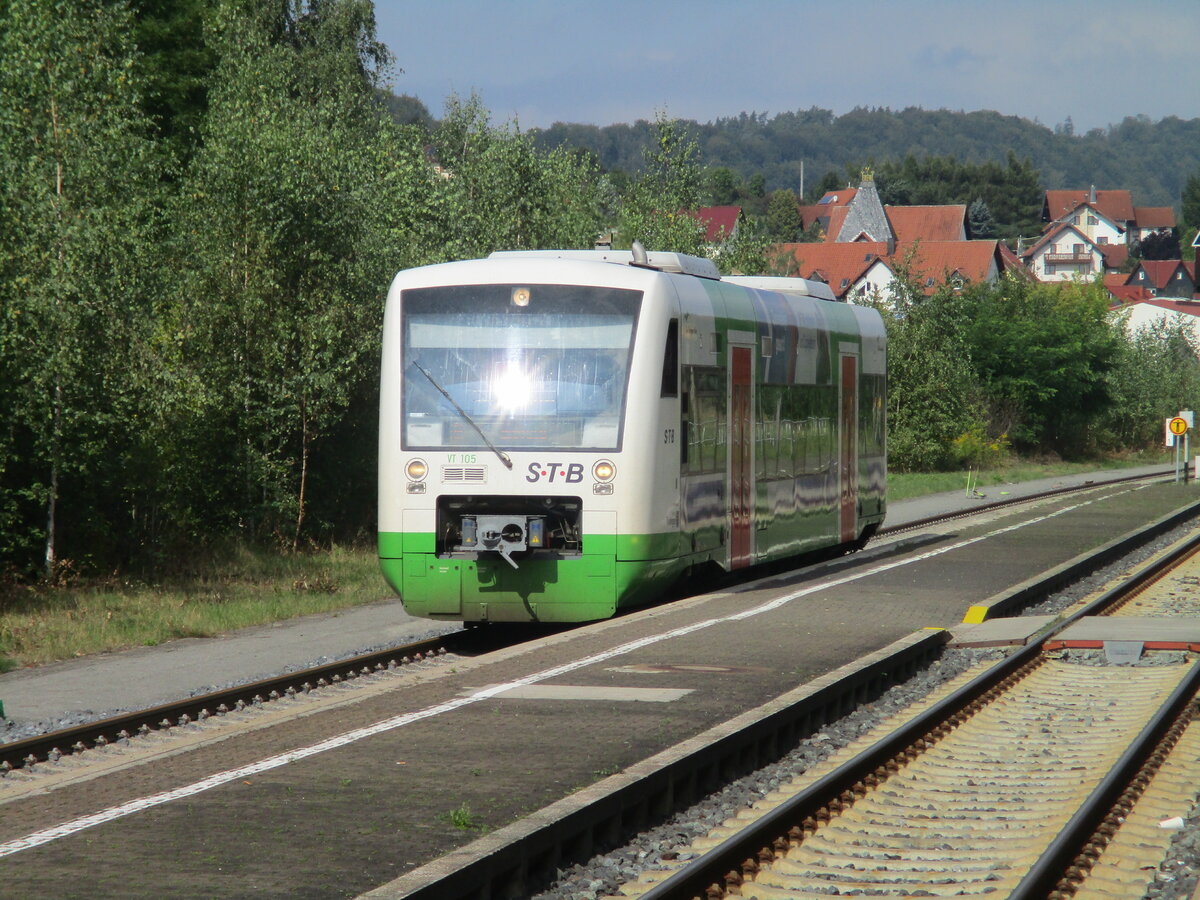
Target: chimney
x=1092, y=195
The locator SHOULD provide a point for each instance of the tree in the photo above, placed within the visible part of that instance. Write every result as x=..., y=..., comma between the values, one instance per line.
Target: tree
x=78, y=188
x=1156, y=374
x=830, y=181
x=284, y=218
x=723, y=186
x=1043, y=354
x=979, y=220
x=501, y=193
x=1161, y=244
x=1190, y=200
x=783, y=217
x=174, y=64
x=656, y=209
x=933, y=394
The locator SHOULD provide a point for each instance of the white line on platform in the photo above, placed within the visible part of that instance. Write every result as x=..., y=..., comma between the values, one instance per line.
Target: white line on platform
x=75, y=826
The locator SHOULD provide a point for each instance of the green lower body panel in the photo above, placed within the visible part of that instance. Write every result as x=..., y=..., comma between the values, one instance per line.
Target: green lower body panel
x=549, y=589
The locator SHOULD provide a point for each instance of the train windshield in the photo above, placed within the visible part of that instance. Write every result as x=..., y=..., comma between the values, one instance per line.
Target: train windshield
x=527, y=366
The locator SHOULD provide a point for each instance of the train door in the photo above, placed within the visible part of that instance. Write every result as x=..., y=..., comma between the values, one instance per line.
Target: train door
x=741, y=455
x=848, y=451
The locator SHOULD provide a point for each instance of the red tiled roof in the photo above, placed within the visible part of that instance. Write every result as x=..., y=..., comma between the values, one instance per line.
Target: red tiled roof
x=972, y=260
x=719, y=221
x=1116, y=205
x=834, y=263
x=1154, y=216
x=838, y=198
x=1159, y=272
x=928, y=223
x=1115, y=255
x=1126, y=293
x=1008, y=260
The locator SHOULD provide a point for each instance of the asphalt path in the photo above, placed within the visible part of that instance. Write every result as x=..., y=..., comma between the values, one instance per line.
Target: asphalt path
x=96, y=686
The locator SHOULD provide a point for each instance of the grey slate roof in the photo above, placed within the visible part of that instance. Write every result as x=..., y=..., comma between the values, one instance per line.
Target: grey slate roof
x=865, y=216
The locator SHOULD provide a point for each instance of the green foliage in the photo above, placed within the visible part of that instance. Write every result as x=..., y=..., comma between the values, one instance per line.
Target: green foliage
x=78, y=181
x=1043, y=354
x=932, y=389
x=981, y=223
x=1156, y=374
x=279, y=306
x=1190, y=200
x=497, y=191
x=655, y=208
x=1151, y=159
x=783, y=217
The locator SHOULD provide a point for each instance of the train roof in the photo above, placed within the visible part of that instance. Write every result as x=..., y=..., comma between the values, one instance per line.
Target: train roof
x=678, y=263
x=681, y=264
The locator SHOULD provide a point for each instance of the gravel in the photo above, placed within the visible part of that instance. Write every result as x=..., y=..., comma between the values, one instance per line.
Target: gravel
x=603, y=874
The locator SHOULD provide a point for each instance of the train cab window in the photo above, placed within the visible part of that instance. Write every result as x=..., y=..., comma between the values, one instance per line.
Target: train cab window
x=519, y=366
x=670, y=372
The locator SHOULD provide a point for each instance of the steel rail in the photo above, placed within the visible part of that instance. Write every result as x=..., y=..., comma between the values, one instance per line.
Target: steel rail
x=1047, y=873
x=727, y=864
x=40, y=748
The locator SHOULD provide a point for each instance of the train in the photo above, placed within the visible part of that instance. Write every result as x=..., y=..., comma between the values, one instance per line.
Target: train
x=565, y=433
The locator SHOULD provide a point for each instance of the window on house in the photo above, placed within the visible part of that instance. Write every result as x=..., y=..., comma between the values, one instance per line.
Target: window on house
x=1092, y=220
x=1077, y=249
x=1075, y=220
x=929, y=282
x=845, y=281
x=1103, y=239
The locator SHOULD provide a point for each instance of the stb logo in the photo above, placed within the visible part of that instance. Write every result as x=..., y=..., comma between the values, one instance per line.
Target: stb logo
x=552, y=471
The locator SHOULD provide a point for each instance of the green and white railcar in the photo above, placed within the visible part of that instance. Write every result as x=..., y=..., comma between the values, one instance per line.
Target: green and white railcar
x=562, y=433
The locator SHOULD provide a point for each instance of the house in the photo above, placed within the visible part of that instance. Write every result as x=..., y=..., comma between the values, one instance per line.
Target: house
x=1123, y=293
x=1066, y=251
x=1147, y=313
x=1135, y=222
x=859, y=269
x=720, y=222
x=867, y=244
x=1165, y=278
x=905, y=223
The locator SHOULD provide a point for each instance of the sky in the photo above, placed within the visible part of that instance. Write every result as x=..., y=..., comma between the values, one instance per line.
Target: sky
x=607, y=61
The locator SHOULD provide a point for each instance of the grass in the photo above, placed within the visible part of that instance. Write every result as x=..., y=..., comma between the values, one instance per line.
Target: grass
x=906, y=485
x=246, y=587
x=40, y=624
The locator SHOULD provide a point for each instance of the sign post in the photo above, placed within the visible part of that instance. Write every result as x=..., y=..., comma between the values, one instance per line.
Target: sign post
x=1177, y=428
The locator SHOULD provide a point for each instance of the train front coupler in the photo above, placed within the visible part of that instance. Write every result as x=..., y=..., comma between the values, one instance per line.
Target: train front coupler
x=503, y=534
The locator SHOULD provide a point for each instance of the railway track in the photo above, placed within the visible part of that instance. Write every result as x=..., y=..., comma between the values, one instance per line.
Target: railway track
x=116, y=729
x=1040, y=777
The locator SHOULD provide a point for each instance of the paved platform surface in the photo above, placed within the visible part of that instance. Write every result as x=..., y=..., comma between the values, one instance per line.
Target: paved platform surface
x=147, y=676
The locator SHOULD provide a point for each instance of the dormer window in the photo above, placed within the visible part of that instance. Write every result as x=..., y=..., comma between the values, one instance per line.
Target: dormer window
x=929, y=282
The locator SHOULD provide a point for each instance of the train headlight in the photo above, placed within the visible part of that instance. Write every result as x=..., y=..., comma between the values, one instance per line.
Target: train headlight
x=604, y=471
x=416, y=470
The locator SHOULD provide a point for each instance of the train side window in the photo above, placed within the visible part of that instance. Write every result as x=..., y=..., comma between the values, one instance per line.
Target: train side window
x=670, y=372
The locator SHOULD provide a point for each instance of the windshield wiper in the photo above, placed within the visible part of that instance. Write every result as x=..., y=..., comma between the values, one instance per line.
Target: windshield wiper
x=504, y=457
